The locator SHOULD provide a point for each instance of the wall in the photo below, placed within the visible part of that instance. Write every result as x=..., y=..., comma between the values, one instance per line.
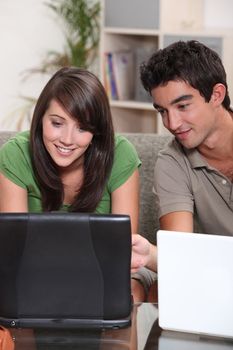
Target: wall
x=218, y=14
x=28, y=30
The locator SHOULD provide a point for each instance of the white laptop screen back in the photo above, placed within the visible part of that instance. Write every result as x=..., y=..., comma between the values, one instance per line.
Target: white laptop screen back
x=195, y=283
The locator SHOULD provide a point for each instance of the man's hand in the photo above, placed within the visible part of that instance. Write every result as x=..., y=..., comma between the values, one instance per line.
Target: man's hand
x=143, y=253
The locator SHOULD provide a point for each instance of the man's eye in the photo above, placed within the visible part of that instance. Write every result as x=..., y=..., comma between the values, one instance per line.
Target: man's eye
x=182, y=107
x=160, y=110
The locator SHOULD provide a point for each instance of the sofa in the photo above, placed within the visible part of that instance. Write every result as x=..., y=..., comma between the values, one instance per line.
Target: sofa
x=147, y=146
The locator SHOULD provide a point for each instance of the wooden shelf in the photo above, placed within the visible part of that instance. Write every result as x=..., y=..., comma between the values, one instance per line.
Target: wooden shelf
x=139, y=114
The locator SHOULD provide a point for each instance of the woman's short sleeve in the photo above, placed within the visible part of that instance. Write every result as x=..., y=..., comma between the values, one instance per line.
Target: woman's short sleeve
x=15, y=161
x=125, y=162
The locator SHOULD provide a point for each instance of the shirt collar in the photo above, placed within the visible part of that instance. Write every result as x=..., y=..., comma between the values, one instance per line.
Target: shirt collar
x=195, y=158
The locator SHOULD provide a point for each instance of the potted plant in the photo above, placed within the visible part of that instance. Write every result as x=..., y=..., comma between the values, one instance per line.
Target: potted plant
x=80, y=23
x=81, y=28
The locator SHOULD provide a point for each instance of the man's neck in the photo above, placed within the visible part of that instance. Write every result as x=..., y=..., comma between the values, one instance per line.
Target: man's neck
x=219, y=146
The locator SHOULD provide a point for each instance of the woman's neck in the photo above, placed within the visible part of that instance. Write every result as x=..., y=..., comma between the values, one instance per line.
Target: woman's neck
x=72, y=181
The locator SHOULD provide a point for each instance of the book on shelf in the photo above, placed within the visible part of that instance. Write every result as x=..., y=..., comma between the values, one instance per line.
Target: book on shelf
x=141, y=55
x=112, y=78
x=106, y=76
x=119, y=75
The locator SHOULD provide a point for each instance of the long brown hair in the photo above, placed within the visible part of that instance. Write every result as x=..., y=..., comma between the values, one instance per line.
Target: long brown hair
x=82, y=95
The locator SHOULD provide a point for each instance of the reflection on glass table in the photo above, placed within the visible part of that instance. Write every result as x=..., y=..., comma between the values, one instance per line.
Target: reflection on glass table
x=143, y=334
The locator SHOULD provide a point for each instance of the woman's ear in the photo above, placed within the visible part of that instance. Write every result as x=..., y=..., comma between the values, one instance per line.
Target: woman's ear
x=218, y=94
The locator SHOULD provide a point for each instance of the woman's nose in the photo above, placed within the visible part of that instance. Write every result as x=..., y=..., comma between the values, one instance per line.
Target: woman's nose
x=67, y=137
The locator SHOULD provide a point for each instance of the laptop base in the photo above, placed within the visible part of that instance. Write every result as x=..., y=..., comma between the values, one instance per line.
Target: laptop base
x=65, y=323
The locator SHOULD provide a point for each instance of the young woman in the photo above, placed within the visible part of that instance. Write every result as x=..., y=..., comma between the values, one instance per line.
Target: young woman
x=70, y=160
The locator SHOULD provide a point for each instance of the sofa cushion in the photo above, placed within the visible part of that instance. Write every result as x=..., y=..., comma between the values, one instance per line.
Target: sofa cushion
x=148, y=146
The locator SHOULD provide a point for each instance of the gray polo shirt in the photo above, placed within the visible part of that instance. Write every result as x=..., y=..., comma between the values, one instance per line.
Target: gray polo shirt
x=183, y=181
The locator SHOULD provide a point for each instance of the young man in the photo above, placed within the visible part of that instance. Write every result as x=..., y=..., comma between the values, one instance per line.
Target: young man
x=194, y=174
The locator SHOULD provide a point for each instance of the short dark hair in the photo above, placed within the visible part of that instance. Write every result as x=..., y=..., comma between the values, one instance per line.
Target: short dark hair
x=83, y=96
x=189, y=61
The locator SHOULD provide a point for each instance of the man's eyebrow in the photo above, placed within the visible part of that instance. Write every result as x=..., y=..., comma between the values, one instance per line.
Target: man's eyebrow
x=181, y=98
x=176, y=100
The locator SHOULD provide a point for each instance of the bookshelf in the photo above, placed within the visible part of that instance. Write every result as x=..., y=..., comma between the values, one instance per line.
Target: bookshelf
x=142, y=26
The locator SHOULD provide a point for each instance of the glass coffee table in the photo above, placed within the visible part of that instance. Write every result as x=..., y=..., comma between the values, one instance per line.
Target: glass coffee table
x=143, y=334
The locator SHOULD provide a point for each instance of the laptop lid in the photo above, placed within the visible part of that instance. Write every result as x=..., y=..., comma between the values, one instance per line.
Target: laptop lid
x=65, y=270
x=195, y=283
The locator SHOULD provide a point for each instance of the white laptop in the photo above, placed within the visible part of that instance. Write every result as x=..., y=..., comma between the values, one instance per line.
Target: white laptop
x=195, y=283
x=189, y=341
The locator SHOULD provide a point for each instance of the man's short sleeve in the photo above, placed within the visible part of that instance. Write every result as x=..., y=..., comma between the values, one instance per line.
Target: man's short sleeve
x=171, y=182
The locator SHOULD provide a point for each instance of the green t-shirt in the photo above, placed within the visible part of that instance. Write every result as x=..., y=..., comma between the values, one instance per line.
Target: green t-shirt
x=16, y=165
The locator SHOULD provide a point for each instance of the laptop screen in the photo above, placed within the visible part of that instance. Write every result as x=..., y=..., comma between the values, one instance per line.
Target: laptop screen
x=65, y=268
x=195, y=282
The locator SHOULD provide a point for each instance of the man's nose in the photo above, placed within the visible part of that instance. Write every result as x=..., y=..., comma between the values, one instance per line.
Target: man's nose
x=174, y=121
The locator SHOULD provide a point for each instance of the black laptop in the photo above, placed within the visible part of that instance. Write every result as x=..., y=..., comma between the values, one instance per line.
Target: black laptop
x=65, y=270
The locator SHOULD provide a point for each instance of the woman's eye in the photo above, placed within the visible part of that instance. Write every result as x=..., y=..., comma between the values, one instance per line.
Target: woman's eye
x=56, y=124
x=81, y=130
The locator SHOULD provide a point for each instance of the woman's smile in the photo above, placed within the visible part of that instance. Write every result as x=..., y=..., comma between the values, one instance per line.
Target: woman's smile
x=65, y=150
